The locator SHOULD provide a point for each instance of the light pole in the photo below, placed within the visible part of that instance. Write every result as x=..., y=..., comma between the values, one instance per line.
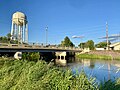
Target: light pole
x=80, y=38
x=46, y=35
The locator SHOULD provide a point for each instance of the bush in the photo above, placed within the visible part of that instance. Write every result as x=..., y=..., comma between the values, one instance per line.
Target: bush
x=110, y=85
x=31, y=56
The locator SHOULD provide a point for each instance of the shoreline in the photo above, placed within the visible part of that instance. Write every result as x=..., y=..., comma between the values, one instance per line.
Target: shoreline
x=106, y=55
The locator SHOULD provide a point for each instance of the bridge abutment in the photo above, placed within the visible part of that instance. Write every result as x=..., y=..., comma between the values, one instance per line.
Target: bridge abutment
x=63, y=57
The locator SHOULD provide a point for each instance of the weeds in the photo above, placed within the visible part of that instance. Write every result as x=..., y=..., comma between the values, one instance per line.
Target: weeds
x=30, y=75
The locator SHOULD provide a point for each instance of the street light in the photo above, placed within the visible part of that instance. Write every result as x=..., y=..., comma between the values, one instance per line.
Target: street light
x=46, y=35
x=78, y=37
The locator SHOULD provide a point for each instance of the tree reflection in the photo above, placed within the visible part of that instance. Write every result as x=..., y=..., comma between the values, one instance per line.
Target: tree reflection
x=92, y=64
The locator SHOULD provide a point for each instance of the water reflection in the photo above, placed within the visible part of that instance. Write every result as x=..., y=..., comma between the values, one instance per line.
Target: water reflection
x=103, y=70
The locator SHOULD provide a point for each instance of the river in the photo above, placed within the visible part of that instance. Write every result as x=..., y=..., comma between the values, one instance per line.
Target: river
x=102, y=70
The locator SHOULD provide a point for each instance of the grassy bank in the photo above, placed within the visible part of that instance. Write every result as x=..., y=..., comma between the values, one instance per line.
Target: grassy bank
x=94, y=56
x=30, y=75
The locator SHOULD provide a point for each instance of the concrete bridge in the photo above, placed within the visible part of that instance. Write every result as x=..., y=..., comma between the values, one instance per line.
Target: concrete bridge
x=60, y=53
x=35, y=48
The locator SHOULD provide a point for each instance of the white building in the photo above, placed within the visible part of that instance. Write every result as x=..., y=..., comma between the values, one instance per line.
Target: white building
x=115, y=46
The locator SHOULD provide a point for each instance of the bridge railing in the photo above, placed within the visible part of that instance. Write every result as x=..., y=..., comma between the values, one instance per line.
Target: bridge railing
x=35, y=46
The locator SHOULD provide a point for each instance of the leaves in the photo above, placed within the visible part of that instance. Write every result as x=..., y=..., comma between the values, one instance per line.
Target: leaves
x=67, y=42
x=102, y=45
x=31, y=56
x=89, y=44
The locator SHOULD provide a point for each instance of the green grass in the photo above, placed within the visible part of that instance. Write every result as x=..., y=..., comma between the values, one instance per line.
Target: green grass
x=94, y=56
x=30, y=75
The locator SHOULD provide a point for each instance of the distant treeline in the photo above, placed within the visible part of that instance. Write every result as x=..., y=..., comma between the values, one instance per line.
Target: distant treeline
x=6, y=39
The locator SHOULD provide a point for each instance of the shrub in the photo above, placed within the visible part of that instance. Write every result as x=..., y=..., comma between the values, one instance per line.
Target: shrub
x=31, y=56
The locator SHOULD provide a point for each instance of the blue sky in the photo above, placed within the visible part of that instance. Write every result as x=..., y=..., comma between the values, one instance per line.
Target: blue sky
x=64, y=18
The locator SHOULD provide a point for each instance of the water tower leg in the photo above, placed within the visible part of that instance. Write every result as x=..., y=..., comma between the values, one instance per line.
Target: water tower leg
x=14, y=35
x=23, y=32
x=26, y=34
x=12, y=31
x=16, y=32
x=19, y=33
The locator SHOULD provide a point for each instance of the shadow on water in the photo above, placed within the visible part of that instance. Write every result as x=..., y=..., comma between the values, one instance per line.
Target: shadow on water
x=47, y=56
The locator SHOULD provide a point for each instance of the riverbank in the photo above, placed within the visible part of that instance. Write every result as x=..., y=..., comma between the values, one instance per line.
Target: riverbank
x=30, y=75
x=106, y=55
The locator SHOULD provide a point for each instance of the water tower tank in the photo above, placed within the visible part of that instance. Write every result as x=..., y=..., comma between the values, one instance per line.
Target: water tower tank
x=19, y=29
x=19, y=18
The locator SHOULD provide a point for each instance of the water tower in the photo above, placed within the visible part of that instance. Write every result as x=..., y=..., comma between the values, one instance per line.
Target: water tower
x=19, y=29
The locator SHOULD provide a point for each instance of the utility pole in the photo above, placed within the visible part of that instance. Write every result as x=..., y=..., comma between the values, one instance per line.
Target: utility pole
x=107, y=35
x=46, y=35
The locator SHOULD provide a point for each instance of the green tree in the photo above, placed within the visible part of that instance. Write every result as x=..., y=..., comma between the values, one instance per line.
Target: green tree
x=6, y=39
x=3, y=39
x=82, y=45
x=102, y=44
x=8, y=35
x=90, y=44
x=67, y=42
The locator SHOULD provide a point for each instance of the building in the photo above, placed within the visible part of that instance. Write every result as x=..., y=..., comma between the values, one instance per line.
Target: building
x=115, y=46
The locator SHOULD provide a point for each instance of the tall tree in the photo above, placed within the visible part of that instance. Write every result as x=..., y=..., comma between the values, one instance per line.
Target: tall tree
x=66, y=42
x=90, y=44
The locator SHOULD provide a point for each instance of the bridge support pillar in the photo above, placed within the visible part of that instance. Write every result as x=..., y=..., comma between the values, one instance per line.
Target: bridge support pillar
x=18, y=55
x=61, y=58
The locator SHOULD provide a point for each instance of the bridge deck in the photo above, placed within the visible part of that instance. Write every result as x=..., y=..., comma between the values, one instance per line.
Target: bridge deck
x=35, y=48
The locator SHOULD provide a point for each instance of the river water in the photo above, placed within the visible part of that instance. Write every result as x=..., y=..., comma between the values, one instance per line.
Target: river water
x=102, y=70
